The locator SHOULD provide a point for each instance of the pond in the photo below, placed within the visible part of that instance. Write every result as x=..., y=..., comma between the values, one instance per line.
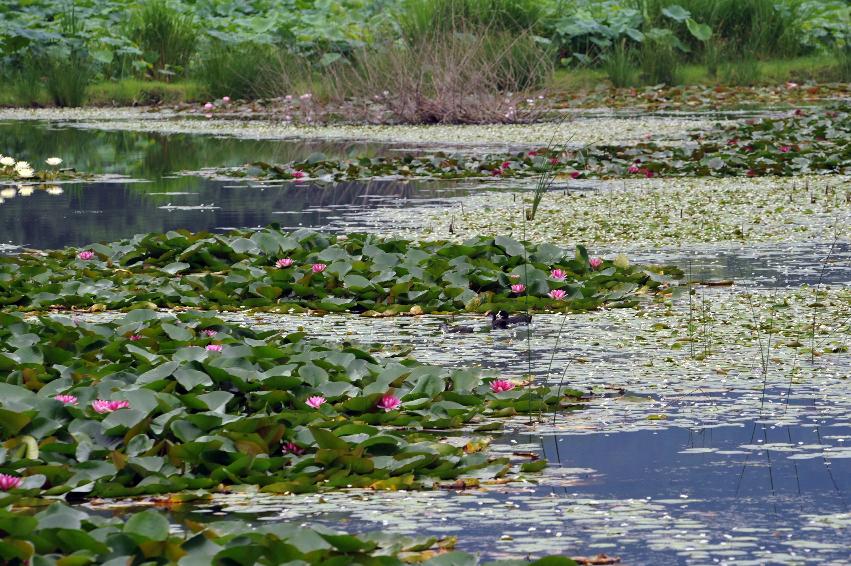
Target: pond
x=698, y=443
x=149, y=191
x=675, y=495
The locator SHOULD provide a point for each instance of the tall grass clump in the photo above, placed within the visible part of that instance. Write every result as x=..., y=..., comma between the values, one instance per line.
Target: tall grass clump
x=25, y=86
x=66, y=66
x=842, y=53
x=458, y=61
x=713, y=56
x=67, y=73
x=740, y=72
x=660, y=62
x=422, y=18
x=167, y=38
x=244, y=70
x=619, y=66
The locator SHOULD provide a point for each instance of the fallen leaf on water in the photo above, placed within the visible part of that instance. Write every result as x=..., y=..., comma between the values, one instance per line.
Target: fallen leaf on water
x=596, y=560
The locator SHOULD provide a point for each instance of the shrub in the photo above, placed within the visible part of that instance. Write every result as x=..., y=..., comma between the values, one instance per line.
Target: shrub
x=451, y=78
x=464, y=61
x=167, y=38
x=766, y=27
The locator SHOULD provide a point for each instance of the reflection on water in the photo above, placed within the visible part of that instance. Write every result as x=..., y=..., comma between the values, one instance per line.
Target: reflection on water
x=92, y=212
x=151, y=156
x=742, y=495
x=76, y=214
x=765, y=265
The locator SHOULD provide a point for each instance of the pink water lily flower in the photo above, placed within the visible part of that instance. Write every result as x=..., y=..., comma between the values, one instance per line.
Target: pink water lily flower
x=389, y=403
x=226, y=99
x=208, y=106
x=633, y=168
x=299, y=174
x=135, y=337
x=558, y=274
x=101, y=406
x=785, y=149
x=291, y=448
x=213, y=347
x=209, y=332
x=500, y=385
x=518, y=288
x=8, y=482
x=86, y=255
x=557, y=294
x=66, y=399
x=316, y=401
x=284, y=262
x=595, y=262
x=318, y=267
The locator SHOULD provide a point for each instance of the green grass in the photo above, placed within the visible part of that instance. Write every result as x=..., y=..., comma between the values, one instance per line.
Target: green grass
x=127, y=92
x=823, y=68
x=168, y=38
x=131, y=92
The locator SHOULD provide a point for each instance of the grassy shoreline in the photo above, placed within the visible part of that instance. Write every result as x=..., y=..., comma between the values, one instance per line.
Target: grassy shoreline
x=567, y=87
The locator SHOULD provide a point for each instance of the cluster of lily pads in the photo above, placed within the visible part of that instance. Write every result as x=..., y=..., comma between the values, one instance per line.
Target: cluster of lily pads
x=280, y=271
x=60, y=534
x=145, y=405
x=802, y=142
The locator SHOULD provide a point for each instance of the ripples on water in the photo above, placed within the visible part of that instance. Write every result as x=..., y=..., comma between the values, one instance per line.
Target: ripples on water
x=674, y=460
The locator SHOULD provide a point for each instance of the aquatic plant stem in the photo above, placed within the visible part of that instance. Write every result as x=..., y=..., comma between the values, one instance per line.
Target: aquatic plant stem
x=815, y=298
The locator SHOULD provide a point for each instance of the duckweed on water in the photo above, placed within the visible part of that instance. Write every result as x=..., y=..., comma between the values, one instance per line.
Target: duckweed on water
x=278, y=271
x=637, y=214
x=580, y=131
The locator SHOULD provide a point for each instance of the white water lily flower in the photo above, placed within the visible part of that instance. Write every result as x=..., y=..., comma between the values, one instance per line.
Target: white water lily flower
x=22, y=165
x=54, y=161
x=54, y=190
x=8, y=193
x=25, y=172
x=7, y=161
x=25, y=191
